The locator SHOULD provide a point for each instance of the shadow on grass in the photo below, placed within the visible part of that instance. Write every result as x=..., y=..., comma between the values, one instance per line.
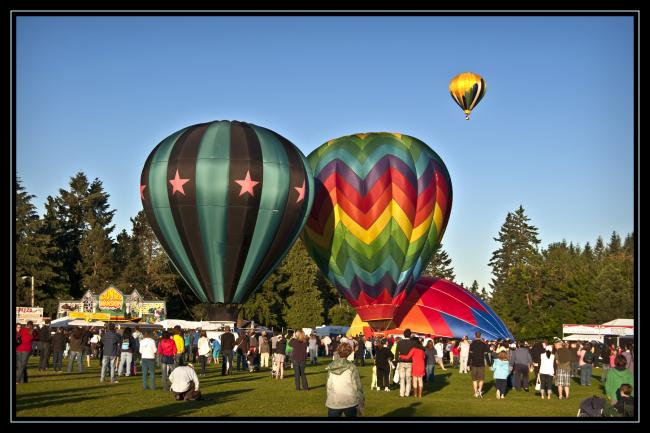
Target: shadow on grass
x=184, y=408
x=439, y=382
x=48, y=393
x=215, y=380
x=407, y=411
x=55, y=400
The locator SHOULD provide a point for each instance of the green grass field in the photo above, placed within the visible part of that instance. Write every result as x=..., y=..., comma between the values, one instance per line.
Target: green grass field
x=243, y=394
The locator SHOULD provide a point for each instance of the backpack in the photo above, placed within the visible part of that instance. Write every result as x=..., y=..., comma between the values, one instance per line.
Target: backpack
x=591, y=407
x=588, y=357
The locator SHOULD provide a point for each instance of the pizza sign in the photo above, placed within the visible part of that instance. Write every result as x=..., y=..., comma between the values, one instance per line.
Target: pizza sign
x=111, y=299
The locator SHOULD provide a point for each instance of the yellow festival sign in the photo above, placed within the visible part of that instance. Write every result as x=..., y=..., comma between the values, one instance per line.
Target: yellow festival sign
x=111, y=299
x=89, y=316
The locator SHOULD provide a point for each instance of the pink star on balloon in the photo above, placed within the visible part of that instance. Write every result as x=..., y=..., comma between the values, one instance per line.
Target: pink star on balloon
x=177, y=182
x=246, y=184
x=301, y=191
x=142, y=187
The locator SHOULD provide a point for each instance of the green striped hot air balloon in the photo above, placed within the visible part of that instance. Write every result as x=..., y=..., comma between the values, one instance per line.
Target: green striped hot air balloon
x=226, y=200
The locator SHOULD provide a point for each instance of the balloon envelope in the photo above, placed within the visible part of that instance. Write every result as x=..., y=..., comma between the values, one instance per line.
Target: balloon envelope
x=467, y=89
x=382, y=202
x=226, y=200
x=445, y=309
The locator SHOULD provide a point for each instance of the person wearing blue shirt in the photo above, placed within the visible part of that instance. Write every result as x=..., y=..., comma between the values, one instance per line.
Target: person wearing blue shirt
x=195, y=343
x=216, y=348
x=187, y=340
x=501, y=369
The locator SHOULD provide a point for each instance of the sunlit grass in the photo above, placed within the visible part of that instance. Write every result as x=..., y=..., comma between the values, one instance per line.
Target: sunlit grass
x=256, y=394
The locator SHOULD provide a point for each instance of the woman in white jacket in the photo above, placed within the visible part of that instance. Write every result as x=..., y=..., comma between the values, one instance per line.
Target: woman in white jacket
x=344, y=389
x=203, y=348
x=547, y=371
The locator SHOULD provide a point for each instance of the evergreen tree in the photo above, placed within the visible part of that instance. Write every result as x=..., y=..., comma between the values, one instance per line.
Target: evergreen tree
x=69, y=210
x=485, y=296
x=628, y=245
x=71, y=216
x=122, y=257
x=515, y=266
x=34, y=250
x=330, y=295
x=341, y=314
x=474, y=288
x=54, y=227
x=614, y=246
x=588, y=253
x=96, y=264
x=265, y=306
x=599, y=249
x=304, y=306
x=614, y=284
x=440, y=265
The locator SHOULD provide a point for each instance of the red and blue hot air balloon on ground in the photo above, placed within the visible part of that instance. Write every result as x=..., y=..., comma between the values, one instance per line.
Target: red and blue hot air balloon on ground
x=444, y=309
x=381, y=205
x=226, y=200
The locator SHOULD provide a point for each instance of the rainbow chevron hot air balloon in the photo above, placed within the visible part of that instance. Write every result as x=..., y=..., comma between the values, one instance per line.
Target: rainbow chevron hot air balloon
x=381, y=205
x=226, y=200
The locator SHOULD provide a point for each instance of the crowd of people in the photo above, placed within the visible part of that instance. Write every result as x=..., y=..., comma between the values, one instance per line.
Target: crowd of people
x=407, y=360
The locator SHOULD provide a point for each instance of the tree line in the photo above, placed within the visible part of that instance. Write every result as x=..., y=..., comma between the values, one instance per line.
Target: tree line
x=535, y=291
x=71, y=248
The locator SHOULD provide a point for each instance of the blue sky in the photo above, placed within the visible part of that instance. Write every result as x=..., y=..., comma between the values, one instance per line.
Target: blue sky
x=554, y=132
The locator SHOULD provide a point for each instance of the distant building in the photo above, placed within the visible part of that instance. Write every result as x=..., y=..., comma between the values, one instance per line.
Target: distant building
x=112, y=304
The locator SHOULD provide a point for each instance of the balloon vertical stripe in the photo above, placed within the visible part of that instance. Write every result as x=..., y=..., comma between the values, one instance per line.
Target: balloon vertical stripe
x=293, y=172
x=182, y=165
x=212, y=200
x=146, y=203
x=161, y=215
x=245, y=167
x=275, y=178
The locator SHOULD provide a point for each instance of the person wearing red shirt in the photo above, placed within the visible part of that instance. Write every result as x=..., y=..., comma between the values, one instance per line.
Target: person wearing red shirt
x=167, y=350
x=23, y=350
x=455, y=350
x=416, y=355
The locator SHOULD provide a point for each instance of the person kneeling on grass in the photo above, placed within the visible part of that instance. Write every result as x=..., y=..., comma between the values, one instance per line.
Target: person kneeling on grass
x=344, y=389
x=185, y=383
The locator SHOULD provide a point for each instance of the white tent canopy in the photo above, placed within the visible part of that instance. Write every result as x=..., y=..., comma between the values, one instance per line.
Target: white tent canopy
x=620, y=322
x=63, y=321
x=327, y=330
x=188, y=324
x=584, y=337
x=81, y=322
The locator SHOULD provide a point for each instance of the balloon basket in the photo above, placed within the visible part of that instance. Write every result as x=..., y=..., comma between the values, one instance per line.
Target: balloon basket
x=381, y=325
x=223, y=312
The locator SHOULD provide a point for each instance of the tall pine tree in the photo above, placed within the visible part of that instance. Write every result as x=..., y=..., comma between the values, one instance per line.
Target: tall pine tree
x=96, y=265
x=304, y=306
x=440, y=265
x=34, y=253
x=515, y=266
x=474, y=288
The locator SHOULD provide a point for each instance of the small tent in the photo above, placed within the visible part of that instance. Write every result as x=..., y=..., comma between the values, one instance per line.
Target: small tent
x=357, y=327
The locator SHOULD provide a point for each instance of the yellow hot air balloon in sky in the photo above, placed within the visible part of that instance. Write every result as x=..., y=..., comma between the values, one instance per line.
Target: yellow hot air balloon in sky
x=467, y=89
